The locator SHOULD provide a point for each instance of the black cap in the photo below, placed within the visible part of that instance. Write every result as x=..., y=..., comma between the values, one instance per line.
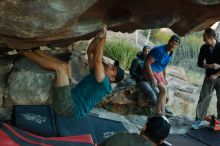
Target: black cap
x=175, y=38
x=120, y=72
x=158, y=128
x=146, y=47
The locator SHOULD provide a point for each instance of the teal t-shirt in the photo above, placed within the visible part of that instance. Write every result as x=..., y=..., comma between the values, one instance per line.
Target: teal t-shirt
x=88, y=93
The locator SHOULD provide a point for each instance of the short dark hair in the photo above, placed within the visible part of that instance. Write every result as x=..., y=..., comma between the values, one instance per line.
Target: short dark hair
x=210, y=32
x=157, y=128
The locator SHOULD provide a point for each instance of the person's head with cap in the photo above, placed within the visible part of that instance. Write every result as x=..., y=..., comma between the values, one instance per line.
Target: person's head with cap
x=156, y=129
x=114, y=72
x=146, y=50
x=173, y=42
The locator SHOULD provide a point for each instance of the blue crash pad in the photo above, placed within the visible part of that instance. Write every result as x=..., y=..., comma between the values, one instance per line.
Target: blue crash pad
x=183, y=140
x=36, y=119
x=99, y=128
x=206, y=136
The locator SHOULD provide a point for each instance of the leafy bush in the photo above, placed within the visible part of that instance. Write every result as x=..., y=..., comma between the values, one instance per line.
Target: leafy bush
x=121, y=50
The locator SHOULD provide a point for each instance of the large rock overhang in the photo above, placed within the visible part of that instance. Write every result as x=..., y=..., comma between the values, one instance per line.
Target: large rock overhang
x=26, y=24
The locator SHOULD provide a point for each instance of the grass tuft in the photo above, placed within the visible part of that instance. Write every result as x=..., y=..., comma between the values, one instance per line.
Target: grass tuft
x=121, y=50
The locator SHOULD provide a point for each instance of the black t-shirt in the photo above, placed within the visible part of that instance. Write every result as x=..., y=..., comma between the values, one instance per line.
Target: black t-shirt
x=209, y=55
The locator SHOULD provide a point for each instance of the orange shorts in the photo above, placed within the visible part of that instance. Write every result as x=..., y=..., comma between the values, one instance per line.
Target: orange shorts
x=159, y=77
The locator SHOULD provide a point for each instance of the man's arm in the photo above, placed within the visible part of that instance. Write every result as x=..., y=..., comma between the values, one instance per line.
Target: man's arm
x=215, y=66
x=215, y=76
x=133, y=70
x=218, y=74
x=90, y=51
x=201, y=58
x=165, y=72
x=97, y=57
x=149, y=72
x=211, y=66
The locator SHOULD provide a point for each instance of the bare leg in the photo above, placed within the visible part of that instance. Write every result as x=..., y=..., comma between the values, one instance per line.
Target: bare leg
x=54, y=59
x=161, y=99
x=61, y=79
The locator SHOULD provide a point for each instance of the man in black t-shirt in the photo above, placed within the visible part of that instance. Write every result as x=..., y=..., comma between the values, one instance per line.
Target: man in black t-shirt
x=209, y=59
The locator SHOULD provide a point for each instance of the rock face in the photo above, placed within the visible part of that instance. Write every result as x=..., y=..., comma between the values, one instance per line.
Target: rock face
x=26, y=24
x=27, y=83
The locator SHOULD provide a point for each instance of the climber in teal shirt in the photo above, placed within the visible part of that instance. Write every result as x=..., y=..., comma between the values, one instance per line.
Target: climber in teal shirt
x=91, y=90
x=88, y=93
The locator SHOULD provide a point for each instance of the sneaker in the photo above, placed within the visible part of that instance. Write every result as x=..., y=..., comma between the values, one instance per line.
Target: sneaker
x=197, y=124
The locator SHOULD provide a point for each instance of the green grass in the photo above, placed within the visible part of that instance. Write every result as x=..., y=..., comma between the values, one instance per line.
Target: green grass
x=121, y=50
x=186, y=56
x=195, y=77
